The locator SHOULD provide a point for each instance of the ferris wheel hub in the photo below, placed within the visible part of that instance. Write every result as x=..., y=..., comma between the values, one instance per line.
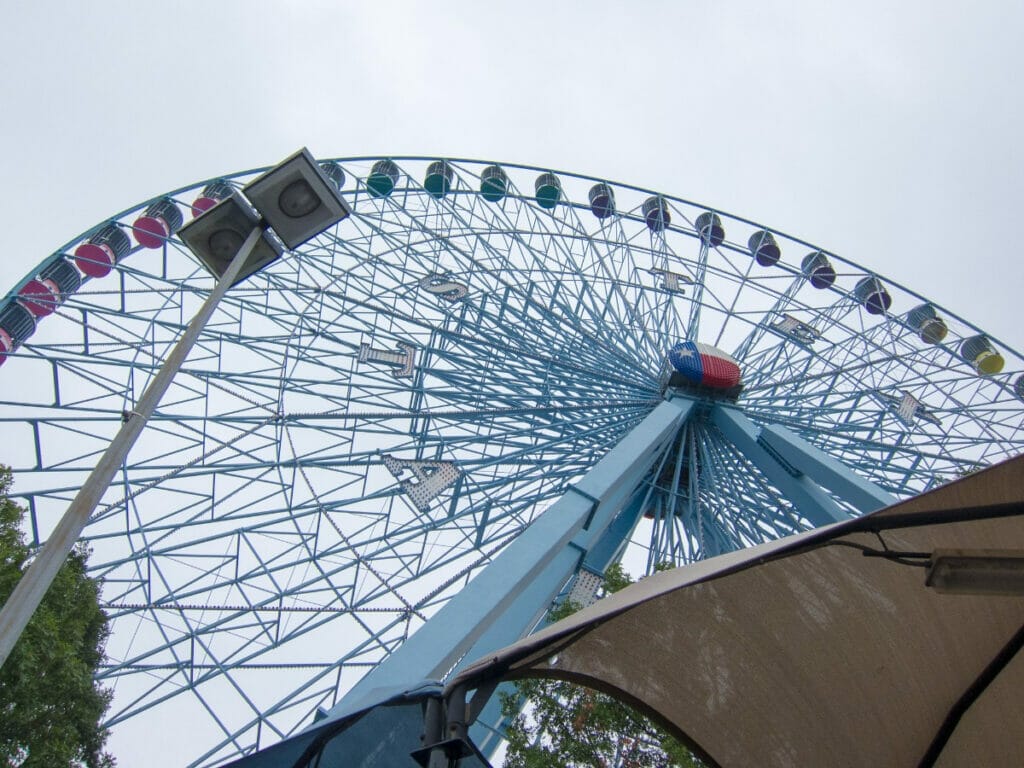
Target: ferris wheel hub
x=704, y=365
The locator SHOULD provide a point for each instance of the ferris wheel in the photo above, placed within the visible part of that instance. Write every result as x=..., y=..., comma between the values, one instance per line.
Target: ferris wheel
x=368, y=422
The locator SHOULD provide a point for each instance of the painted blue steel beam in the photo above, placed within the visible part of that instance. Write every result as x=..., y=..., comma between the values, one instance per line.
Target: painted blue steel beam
x=593, y=548
x=526, y=612
x=562, y=533
x=487, y=730
x=824, y=470
x=812, y=502
x=608, y=548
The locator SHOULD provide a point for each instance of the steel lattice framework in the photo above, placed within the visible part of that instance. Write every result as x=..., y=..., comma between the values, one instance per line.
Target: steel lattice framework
x=365, y=424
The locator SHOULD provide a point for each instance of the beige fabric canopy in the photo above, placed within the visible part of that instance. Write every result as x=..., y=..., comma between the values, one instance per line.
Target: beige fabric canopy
x=806, y=652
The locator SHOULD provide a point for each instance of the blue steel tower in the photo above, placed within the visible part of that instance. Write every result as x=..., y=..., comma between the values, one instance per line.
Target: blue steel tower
x=394, y=447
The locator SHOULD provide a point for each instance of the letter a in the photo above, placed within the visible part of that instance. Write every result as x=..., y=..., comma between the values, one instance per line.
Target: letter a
x=429, y=478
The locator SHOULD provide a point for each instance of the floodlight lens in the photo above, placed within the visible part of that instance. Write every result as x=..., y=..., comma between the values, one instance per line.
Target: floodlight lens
x=298, y=199
x=224, y=243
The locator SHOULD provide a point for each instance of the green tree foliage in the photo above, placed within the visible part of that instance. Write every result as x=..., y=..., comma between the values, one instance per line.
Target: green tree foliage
x=564, y=725
x=50, y=706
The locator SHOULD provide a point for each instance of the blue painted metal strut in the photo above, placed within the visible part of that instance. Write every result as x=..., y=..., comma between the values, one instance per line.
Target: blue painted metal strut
x=824, y=470
x=608, y=548
x=812, y=502
x=501, y=603
x=586, y=527
x=797, y=468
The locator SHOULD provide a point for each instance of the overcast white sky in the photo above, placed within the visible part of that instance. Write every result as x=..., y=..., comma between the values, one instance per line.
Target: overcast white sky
x=885, y=132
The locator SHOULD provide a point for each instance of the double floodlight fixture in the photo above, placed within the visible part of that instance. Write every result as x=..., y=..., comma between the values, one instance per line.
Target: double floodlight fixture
x=216, y=235
x=295, y=200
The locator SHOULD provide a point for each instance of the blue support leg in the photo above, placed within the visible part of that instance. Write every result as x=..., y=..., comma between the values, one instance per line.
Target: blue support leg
x=540, y=560
x=489, y=727
x=812, y=502
x=824, y=470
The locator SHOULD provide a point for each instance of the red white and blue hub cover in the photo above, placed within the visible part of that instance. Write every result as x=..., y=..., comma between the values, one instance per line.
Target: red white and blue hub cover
x=704, y=365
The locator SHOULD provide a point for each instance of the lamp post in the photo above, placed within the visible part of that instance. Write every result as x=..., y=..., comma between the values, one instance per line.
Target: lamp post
x=295, y=200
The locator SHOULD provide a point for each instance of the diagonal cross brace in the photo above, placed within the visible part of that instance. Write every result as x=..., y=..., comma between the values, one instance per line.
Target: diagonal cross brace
x=812, y=502
x=824, y=470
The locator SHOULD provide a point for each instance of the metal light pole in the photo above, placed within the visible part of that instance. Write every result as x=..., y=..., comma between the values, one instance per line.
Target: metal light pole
x=298, y=202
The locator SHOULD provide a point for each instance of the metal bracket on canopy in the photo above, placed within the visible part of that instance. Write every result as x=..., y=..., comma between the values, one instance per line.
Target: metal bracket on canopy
x=446, y=724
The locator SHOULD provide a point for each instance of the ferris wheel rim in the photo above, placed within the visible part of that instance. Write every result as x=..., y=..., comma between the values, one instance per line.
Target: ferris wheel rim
x=522, y=167
x=293, y=340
